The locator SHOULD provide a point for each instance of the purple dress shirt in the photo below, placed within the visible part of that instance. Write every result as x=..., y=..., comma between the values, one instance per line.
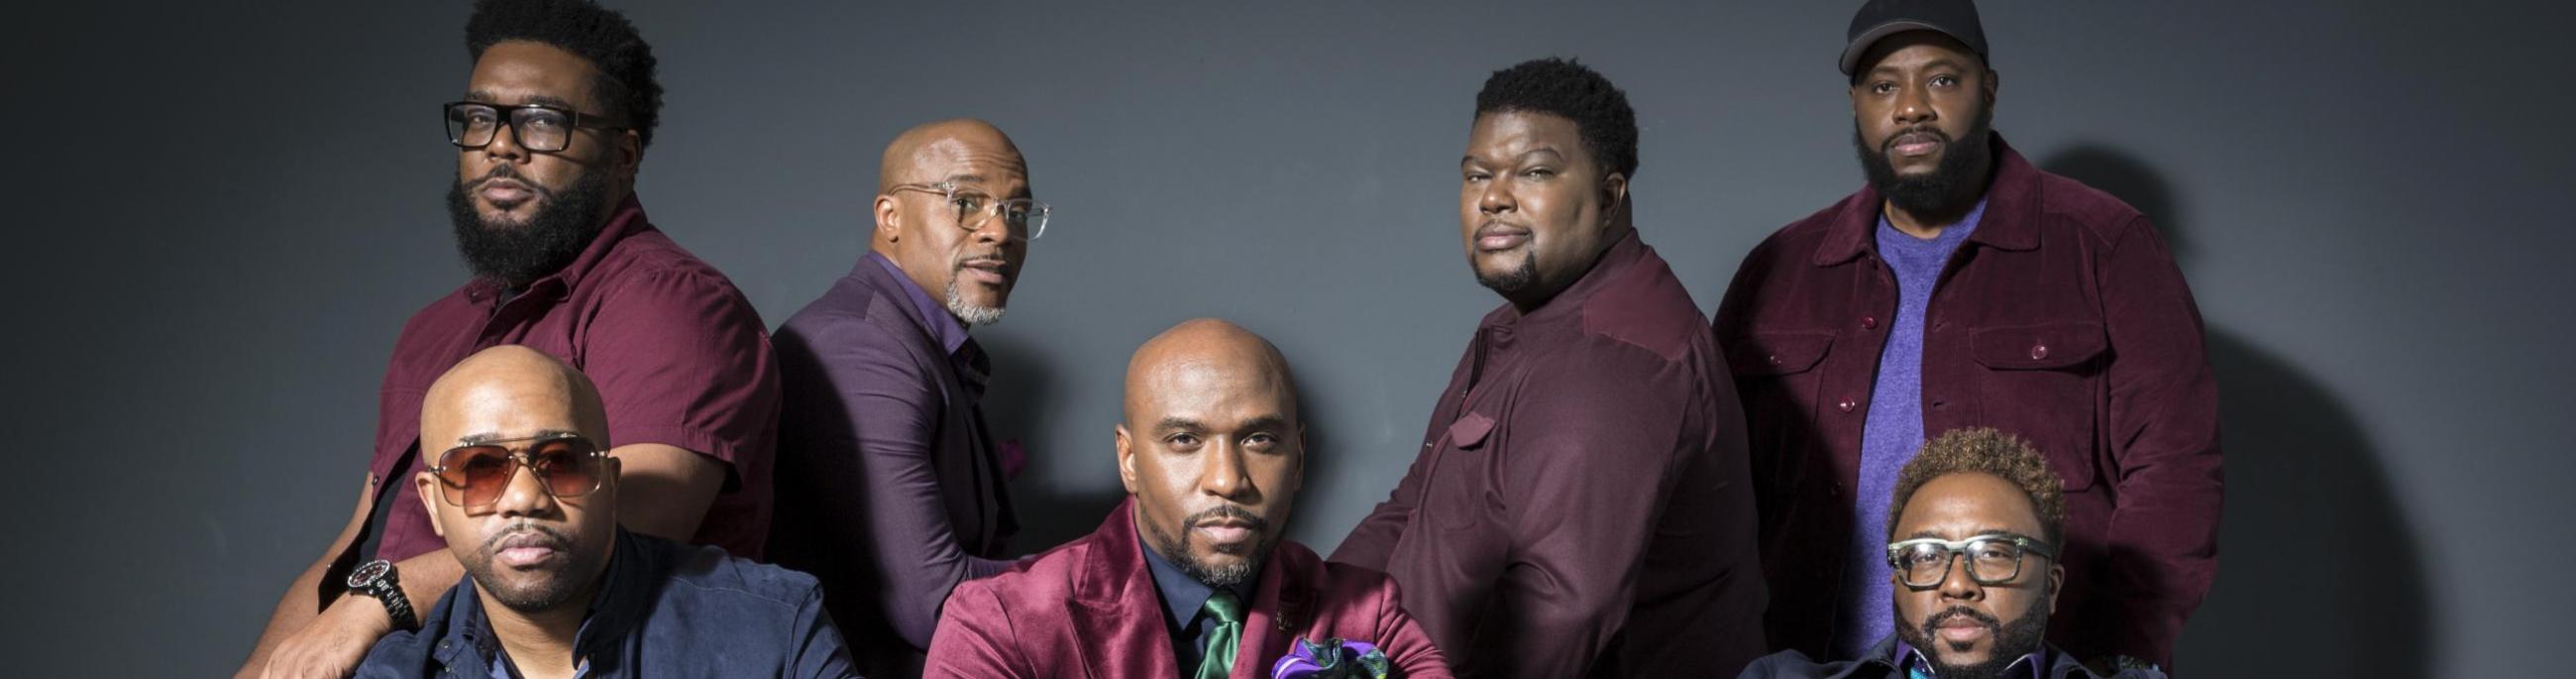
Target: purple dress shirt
x=889, y=490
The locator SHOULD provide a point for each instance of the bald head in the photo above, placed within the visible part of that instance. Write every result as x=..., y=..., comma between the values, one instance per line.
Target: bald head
x=1208, y=352
x=927, y=148
x=510, y=391
x=1211, y=448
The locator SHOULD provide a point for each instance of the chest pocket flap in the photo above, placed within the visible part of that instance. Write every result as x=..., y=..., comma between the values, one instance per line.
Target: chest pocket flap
x=1468, y=433
x=2038, y=347
x=1777, y=353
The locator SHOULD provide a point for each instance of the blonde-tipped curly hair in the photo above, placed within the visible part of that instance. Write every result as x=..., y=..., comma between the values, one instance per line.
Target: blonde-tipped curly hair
x=1986, y=451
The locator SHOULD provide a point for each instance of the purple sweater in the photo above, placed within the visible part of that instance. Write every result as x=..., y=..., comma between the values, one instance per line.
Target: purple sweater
x=1893, y=431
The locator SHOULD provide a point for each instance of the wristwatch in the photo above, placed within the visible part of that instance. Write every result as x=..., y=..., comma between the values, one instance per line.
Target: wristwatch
x=379, y=579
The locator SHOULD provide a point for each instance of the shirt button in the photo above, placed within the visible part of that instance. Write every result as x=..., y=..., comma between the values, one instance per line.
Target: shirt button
x=2038, y=351
x=1775, y=359
x=1846, y=405
x=1868, y=322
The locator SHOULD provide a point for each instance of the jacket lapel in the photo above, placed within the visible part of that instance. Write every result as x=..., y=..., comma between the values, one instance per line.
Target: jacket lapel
x=1116, y=614
x=1282, y=612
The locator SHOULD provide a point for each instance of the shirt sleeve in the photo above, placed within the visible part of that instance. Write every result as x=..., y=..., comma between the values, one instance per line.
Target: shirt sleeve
x=895, y=503
x=1407, y=647
x=682, y=359
x=1374, y=538
x=1592, y=461
x=2163, y=433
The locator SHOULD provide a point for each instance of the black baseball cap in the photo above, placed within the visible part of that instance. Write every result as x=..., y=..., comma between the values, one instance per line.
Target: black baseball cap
x=1881, y=18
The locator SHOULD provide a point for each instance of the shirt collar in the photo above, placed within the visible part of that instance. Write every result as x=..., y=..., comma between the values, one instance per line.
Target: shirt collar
x=627, y=220
x=1941, y=243
x=1184, y=595
x=943, y=326
x=1614, y=259
x=1915, y=666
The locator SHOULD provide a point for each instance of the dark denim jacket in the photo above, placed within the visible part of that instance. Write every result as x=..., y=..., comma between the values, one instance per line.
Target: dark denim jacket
x=1881, y=662
x=666, y=609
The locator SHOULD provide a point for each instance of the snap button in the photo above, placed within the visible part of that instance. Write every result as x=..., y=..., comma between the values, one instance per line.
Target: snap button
x=1775, y=359
x=1847, y=404
x=1868, y=322
x=2038, y=351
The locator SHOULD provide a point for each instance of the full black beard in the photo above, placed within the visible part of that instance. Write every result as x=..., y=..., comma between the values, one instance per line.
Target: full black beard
x=1513, y=281
x=2011, y=641
x=1945, y=191
x=1176, y=548
x=518, y=254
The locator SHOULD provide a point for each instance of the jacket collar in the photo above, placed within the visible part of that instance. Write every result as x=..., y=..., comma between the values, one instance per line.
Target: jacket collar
x=2011, y=221
x=627, y=220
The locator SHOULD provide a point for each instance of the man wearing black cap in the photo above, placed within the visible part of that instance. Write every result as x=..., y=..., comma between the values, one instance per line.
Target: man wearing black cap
x=1962, y=287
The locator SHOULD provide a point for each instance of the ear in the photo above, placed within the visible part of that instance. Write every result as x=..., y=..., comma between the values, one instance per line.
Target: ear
x=1299, y=481
x=889, y=214
x=1614, y=195
x=425, y=485
x=610, y=475
x=1126, y=461
x=2056, y=583
x=1994, y=81
x=630, y=154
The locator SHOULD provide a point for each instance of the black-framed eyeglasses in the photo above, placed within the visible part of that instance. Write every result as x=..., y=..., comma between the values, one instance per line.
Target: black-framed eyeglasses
x=536, y=127
x=1026, y=218
x=1992, y=559
x=567, y=465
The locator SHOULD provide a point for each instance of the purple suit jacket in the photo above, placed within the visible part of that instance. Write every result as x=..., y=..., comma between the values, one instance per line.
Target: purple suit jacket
x=887, y=486
x=1089, y=609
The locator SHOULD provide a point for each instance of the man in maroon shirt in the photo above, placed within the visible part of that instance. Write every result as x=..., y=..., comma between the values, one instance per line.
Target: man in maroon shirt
x=2059, y=318
x=552, y=127
x=1579, y=507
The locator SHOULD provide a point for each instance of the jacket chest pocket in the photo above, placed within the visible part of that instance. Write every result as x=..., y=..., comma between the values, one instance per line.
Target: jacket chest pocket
x=2043, y=383
x=1778, y=376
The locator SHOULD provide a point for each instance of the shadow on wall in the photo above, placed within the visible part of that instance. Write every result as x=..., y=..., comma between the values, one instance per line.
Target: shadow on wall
x=1021, y=403
x=2318, y=574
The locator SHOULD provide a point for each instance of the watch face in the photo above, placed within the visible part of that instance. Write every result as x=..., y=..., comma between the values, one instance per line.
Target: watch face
x=369, y=572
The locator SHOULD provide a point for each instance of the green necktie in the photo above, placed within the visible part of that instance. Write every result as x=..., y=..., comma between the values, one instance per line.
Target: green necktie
x=1218, y=658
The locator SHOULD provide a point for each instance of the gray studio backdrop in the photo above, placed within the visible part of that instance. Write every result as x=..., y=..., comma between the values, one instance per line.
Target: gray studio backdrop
x=221, y=215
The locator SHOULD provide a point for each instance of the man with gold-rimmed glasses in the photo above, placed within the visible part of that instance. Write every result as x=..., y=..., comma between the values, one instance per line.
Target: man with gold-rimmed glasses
x=890, y=488
x=1972, y=535
x=525, y=497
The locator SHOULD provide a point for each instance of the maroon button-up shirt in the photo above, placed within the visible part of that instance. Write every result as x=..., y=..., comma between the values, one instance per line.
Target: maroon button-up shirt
x=1580, y=505
x=679, y=356
x=2062, y=320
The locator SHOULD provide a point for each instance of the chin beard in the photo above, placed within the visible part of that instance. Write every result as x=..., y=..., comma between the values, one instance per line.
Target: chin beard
x=1514, y=280
x=2011, y=642
x=556, y=589
x=1951, y=186
x=515, y=255
x=968, y=312
x=1176, y=549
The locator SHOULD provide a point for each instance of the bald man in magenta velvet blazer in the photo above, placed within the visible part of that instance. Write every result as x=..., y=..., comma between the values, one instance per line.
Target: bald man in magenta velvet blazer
x=1089, y=609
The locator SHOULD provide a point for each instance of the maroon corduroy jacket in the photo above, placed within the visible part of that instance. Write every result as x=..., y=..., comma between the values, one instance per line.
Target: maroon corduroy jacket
x=2062, y=320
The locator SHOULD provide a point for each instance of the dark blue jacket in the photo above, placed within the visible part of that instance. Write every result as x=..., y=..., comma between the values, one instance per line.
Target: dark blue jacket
x=667, y=610
x=1881, y=663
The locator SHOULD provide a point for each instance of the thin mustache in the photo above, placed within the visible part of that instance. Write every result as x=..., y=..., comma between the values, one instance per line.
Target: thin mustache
x=1935, y=621
x=1890, y=144
x=523, y=526
x=1230, y=512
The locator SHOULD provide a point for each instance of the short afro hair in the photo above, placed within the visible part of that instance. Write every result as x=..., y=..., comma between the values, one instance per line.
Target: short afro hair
x=598, y=34
x=1565, y=88
x=1983, y=450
